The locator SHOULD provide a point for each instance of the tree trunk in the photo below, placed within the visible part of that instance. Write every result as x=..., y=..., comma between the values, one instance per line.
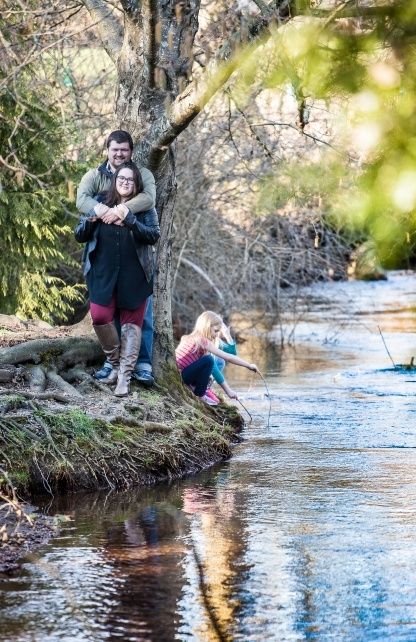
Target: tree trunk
x=148, y=81
x=152, y=46
x=163, y=351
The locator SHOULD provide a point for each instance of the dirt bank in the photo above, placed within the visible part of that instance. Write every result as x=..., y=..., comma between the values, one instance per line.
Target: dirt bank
x=61, y=430
x=22, y=531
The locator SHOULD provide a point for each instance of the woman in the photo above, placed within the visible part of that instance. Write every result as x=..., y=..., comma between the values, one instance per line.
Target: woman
x=118, y=265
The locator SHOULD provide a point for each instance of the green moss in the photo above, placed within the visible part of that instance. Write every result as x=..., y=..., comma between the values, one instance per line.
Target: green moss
x=151, y=398
x=49, y=358
x=75, y=422
x=12, y=402
x=73, y=448
x=182, y=424
x=20, y=477
x=62, y=467
x=118, y=433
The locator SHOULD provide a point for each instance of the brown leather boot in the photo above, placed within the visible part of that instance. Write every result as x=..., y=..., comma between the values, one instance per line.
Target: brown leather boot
x=110, y=343
x=129, y=351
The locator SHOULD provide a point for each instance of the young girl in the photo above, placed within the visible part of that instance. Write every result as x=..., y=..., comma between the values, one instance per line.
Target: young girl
x=194, y=355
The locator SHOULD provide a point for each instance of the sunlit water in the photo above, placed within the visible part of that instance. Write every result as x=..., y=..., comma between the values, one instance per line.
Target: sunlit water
x=307, y=533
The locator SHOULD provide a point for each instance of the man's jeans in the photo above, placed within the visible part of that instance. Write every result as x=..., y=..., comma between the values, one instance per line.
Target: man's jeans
x=144, y=360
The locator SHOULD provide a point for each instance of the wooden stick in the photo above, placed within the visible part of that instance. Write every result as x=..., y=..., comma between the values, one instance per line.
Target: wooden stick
x=385, y=345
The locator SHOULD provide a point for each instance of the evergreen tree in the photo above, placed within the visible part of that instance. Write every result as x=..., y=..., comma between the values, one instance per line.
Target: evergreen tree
x=33, y=229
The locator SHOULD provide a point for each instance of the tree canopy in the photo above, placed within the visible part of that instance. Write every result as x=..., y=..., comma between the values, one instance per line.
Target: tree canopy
x=362, y=55
x=170, y=59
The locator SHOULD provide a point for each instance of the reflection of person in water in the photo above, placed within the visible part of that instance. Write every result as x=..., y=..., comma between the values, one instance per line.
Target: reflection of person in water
x=143, y=530
x=150, y=553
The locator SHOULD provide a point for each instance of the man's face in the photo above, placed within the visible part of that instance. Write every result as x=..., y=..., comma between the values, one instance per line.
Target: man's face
x=118, y=153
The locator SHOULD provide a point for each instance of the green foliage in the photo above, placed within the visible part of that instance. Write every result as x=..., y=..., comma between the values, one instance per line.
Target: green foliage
x=370, y=64
x=33, y=197
x=312, y=185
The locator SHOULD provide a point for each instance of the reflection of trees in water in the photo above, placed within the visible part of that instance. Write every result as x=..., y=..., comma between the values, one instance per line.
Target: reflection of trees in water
x=178, y=556
x=217, y=545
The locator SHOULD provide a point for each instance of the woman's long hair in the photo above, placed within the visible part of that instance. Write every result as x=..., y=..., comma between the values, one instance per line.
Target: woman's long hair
x=113, y=197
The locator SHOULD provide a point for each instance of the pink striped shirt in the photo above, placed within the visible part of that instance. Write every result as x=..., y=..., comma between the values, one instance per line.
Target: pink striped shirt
x=188, y=351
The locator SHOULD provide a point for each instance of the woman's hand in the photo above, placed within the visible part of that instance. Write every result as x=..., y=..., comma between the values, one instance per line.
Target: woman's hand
x=112, y=217
x=116, y=215
x=121, y=210
x=109, y=218
x=253, y=367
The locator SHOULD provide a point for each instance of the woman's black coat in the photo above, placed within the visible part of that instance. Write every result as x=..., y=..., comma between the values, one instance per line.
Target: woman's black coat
x=145, y=231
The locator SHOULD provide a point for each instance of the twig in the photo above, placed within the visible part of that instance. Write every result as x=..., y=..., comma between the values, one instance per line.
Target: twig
x=385, y=345
x=249, y=414
x=55, y=396
x=268, y=396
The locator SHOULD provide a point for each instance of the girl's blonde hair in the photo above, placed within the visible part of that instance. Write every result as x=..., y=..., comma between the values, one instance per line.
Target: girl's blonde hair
x=203, y=326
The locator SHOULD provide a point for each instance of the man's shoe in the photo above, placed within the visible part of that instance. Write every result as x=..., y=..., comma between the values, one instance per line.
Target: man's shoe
x=143, y=376
x=103, y=372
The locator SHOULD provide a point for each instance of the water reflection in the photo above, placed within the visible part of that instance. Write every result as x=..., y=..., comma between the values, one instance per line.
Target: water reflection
x=308, y=533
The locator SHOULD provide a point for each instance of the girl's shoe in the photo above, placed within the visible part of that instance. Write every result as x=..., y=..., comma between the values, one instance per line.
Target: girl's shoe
x=209, y=401
x=211, y=394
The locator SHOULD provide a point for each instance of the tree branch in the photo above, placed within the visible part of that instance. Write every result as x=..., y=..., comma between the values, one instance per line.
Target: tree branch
x=187, y=106
x=198, y=93
x=36, y=53
x=204, y=275
x=344, y=11
x=109, y=28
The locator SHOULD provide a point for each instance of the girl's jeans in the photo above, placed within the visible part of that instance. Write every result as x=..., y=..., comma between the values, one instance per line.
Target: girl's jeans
x=197, y=374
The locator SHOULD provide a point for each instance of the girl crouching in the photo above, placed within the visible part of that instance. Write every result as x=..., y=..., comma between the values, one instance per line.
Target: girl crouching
x=195, y=354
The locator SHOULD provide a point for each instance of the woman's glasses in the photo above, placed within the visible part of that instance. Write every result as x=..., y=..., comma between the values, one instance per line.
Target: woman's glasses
x=124, y=179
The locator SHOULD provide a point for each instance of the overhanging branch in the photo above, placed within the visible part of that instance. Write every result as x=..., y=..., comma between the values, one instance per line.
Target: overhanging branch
x=185, y=109
x=109, y=28
x=197, y=94
x=383, y=11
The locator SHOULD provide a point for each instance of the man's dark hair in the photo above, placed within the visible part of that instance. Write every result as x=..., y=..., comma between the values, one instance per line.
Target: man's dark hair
x=120, y=136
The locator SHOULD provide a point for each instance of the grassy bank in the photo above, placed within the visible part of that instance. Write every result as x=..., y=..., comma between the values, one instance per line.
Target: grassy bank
x=155, y=436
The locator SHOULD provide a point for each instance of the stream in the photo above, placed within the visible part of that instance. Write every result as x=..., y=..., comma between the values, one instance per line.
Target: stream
x=307, y=533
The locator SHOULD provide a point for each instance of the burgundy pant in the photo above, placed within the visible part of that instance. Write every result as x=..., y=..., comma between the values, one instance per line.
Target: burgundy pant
x=103, y=314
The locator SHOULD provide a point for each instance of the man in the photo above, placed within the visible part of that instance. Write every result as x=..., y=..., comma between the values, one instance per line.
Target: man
x=95, y=181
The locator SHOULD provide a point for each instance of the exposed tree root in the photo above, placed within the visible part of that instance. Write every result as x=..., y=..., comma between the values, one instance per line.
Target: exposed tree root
x=98, y=440
x=8, y=373
x=54, y=396
x=36, y=377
